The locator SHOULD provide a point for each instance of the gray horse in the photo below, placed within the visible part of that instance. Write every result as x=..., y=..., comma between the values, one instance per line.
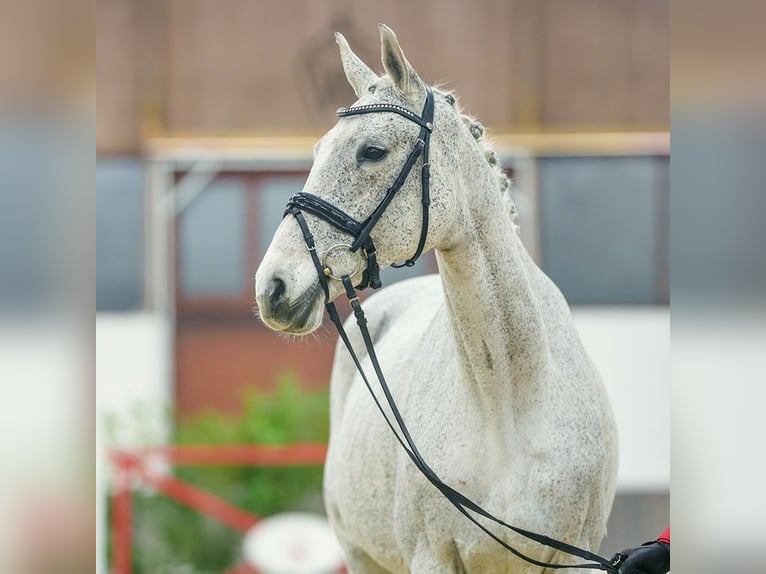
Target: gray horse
x=483, y=358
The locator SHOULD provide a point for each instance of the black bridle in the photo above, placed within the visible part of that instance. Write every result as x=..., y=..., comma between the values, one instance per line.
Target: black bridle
x=360, y=231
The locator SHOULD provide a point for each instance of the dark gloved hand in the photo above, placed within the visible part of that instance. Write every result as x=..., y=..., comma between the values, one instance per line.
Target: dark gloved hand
x=650, y=558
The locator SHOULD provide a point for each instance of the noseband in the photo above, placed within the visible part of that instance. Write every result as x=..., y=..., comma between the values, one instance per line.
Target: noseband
x=360, y=231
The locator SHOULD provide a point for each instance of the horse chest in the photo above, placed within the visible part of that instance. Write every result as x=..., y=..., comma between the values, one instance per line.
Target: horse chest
x=375, y=495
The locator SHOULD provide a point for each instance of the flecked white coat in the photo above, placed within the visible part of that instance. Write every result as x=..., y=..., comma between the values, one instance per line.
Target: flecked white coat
x=483, y=358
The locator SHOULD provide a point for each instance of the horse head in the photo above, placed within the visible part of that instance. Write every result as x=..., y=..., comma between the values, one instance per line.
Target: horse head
x=355, y=163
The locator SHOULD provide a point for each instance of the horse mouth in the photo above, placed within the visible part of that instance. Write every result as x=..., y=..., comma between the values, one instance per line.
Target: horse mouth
x=300, y=317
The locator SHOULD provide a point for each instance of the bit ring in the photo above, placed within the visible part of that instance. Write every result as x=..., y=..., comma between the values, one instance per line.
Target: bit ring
x=328, y=270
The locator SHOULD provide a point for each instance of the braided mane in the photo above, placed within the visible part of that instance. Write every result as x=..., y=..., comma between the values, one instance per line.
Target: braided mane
x=478, y=132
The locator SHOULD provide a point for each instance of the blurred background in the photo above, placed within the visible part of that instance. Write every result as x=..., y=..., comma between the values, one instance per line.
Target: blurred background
x=206, y=119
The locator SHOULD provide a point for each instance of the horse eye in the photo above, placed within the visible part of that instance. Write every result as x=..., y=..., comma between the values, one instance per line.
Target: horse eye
x=374, y=153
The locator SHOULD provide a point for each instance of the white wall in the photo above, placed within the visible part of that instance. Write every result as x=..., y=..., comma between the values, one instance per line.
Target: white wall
x=133, y=375
x=133, y=394
x=631, y=348
x=44, y=426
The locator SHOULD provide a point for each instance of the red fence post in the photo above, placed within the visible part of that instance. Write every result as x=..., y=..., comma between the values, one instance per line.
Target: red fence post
x=122, y=521
x=132, y=465
x=203, y=502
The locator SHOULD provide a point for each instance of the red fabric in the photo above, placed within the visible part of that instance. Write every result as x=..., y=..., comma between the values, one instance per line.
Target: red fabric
x=665, y=536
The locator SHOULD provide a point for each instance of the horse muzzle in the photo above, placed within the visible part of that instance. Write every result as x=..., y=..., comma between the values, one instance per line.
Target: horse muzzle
x=292, y=314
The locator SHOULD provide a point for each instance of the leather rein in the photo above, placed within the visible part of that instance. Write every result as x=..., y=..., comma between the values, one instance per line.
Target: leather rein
x=364, y=248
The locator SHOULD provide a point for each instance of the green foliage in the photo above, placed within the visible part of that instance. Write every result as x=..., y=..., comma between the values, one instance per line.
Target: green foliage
x=172, y=538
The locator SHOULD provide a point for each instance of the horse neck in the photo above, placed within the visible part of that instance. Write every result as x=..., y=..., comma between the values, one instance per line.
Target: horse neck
x=495, y=314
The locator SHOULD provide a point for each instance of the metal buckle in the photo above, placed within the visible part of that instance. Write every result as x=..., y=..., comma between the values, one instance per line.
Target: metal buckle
x=617, y=560
x=336, y=247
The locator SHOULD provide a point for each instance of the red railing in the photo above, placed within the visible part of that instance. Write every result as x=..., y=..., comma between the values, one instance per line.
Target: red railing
x=148, y=466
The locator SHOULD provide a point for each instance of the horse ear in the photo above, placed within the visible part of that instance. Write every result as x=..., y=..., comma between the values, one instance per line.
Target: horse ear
x=396, y=65
x=358, y=74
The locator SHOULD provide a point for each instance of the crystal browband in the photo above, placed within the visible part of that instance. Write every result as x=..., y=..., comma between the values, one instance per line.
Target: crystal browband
x=370, y=108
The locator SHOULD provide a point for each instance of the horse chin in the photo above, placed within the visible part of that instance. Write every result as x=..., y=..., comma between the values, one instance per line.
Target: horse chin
x=306, y=320
x=311, y=324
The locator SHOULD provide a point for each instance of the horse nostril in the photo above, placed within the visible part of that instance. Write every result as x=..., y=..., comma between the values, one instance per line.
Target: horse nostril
x=277, y=292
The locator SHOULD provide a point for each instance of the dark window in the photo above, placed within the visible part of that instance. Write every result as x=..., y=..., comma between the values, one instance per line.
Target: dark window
x=36, y=204
x=211, y=240
x=273, y=196
x=119, y=234
x=222, y=236
x=603, y=228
